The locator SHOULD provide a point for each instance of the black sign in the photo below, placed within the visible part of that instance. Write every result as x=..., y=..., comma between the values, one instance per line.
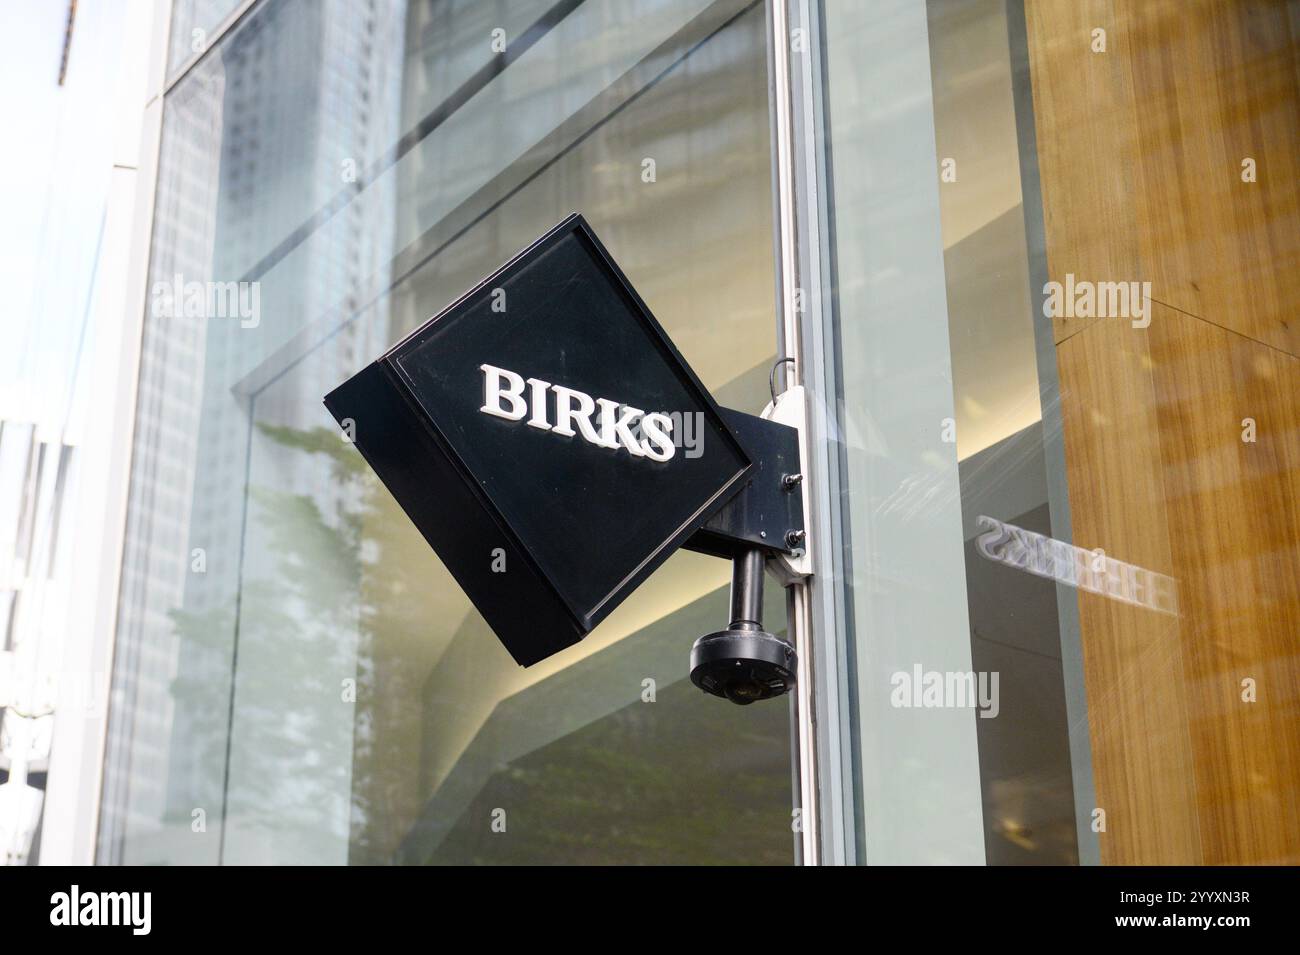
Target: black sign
x=532, y=432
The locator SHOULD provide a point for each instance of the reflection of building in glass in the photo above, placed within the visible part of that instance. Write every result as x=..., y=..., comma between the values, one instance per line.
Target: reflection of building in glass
x=156, y=558
x=251, y=160
x=313, y=577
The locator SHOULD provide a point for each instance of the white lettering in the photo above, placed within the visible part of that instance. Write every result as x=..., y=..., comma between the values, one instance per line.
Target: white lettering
x=566, y=415
x=538, y=397
x=658, y=443
x=600, y=421
x=616, y=426
x=493, y=393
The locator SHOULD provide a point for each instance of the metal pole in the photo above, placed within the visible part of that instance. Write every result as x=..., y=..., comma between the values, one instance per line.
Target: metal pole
x=747, y=590
x=800, y=617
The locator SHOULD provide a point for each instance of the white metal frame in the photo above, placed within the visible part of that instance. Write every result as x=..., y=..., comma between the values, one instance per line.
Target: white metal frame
x=824, y=752
x=73, y=793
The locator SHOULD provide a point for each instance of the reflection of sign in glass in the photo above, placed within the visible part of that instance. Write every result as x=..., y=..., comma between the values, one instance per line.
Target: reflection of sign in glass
x=557, y=339
x=1088, y=570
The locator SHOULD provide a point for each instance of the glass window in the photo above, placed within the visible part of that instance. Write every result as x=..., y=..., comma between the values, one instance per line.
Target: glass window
x=916, y=780
x=1061, y=378
x=298, y=677
x=194, y=23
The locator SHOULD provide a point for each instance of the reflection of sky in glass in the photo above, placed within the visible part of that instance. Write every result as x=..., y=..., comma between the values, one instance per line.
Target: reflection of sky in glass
x=56, y=164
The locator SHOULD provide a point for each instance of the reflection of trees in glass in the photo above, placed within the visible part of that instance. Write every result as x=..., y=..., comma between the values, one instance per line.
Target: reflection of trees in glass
x=201, y=691
x=336, y=587
x=687, y=779
x=311, y=588
x=298, y=601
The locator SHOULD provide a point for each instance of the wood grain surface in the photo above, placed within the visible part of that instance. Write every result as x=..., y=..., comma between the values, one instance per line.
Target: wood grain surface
x=1140, y=151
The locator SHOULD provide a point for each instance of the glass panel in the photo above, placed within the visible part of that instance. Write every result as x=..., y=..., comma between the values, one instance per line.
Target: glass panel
x=192, y=28
x=1017, y=627
x=1061, y=315
x=321, y=690
x=899, y=506
x=1166, y=291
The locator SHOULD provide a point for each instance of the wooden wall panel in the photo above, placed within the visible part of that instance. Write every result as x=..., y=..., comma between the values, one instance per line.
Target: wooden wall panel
x=1140, y=160
x=1081, y=101
x=1239, y=560
x=1215, y=82
x=1141, y=150
x=1133, y=657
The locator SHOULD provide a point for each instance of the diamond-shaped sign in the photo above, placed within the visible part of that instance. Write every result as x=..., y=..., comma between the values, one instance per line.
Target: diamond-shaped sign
x=533, y=430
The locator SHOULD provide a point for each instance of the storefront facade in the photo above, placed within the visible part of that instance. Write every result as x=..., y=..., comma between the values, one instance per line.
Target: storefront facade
x=1045, y=622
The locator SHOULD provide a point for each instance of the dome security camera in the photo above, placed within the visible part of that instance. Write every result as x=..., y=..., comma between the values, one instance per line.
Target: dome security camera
x=744, y=662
